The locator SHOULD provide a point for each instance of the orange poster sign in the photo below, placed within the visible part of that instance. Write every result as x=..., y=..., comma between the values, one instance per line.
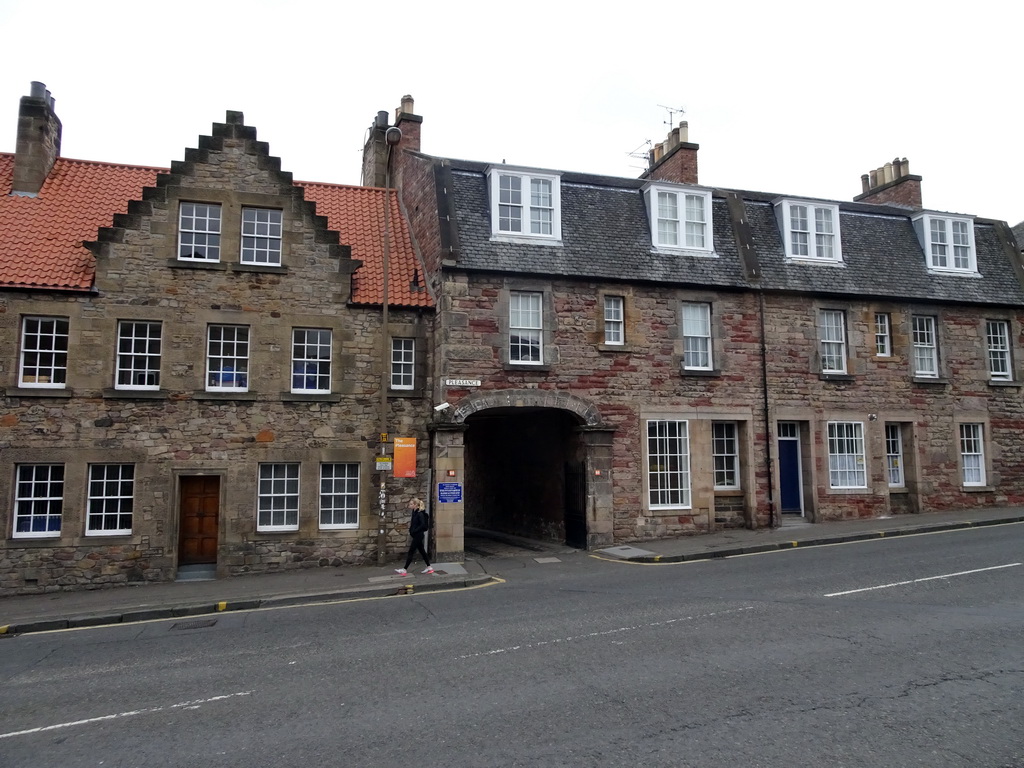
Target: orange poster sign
x=405, y=457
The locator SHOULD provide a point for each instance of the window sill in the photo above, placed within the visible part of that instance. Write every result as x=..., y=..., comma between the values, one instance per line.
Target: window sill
x=499, y=237
x=96, y=539
x=40, y=392
x=977, y=488
x=1001, y=383
x=34, y=541
x=900, y=489
x=930, y=382
x=816, y=261
x=542, y=368
x=700, y=373
x=135, y=394
x=407, y=394
x=224, y=396
x=668, y=250
x=183, y=264
x=841, y=378
x=616, y=348
x=264, y=532
x=299, y=397
x=725, y=492
x=275, y=269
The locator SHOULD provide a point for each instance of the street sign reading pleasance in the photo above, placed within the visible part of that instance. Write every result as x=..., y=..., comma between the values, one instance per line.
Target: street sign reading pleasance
x=462, y=382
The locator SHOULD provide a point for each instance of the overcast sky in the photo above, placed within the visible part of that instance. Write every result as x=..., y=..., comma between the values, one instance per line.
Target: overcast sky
x=786, y=97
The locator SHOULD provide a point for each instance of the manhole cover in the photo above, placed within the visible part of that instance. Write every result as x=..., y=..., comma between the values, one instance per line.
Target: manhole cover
x=194, y=624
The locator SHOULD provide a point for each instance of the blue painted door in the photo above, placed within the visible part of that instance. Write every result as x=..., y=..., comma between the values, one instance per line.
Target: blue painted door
x=789, y=476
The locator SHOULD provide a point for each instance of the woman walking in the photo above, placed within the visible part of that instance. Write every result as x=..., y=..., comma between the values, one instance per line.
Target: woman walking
x=418, y=527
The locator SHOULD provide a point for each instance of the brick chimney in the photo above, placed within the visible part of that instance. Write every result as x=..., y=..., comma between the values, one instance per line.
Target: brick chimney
x=892, y=184
x=675, y=159
x=375, y=151
x=38, y=144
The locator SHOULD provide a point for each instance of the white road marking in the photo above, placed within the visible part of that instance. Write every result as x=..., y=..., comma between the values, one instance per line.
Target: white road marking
x=918, y=581
x=603, y=633
x=183, y=705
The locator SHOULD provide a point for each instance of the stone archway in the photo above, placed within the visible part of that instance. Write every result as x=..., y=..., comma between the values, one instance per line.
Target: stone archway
x=585, y=411
x=534, y=463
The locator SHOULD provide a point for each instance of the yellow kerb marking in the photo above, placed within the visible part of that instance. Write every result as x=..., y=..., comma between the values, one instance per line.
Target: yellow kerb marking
x=657, y=558
x=222, y=605
x=794, y=543
x=4, y=628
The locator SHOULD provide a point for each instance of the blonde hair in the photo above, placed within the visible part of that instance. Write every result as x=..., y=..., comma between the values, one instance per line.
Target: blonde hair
x=418, y=503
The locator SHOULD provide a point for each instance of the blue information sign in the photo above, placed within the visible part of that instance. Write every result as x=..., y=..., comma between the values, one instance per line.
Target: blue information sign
x=449, y=492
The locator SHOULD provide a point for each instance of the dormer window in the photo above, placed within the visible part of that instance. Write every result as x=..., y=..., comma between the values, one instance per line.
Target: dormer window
x=810, y=231
x=525, y=204
x=948, y=242
x=680, y=218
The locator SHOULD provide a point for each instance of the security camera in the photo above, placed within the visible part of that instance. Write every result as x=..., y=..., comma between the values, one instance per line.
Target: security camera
x=442, y=407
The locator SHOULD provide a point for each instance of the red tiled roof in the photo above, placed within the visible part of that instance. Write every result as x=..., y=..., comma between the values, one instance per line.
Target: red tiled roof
x=41, y=240
x=357, y=214
x=41, y=237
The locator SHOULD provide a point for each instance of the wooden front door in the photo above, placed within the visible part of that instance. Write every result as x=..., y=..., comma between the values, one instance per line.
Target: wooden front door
x=200, y=513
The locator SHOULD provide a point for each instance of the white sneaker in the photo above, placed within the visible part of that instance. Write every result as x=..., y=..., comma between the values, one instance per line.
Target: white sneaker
x=429, y=569
x=401, y=571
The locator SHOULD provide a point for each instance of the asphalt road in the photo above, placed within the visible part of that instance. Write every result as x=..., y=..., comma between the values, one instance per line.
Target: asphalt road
x=768, y=660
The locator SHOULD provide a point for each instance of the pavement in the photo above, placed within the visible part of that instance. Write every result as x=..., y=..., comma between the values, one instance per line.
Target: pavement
x=167, y=600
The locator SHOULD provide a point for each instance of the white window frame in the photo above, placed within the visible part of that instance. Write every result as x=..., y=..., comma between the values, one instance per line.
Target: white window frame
x=111, y=496
x=532, y=207
x=339, y=495
x=44, y=352
x=233, y=352
x=832, y=340
x=695, y=322
x=811, y=234
x=681, y=218
x=846, y=465
x=925, y=345
x=894, y=455
x=139, y=348
x=725, y=453
x=312, y=351
x=883, y=334
x=199, y=231
x=614, y=320
x=997, y=339
x=972, y=455
x=668, y=464
x=948, y=242
x=403, y=363
x=262, y=230
x=525, y=323
x=38, y=496
x=277, y=497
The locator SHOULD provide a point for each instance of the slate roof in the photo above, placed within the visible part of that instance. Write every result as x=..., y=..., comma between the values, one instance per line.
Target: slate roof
x=42, y=236
x=606, y=235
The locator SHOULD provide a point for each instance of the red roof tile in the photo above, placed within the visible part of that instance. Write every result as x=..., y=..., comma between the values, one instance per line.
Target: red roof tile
x=42, y=236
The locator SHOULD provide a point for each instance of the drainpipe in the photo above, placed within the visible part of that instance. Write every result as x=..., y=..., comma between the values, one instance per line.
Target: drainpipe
x=773, y=517
x=392, y=136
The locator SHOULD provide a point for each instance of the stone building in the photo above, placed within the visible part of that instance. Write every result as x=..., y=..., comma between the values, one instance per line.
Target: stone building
x=192, y=363
x=634, y=358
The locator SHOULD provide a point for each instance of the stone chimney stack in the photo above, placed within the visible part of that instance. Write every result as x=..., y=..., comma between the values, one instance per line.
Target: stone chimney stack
x=892, y=184
x=38, y=144
x=675, y=159
x=375, y=151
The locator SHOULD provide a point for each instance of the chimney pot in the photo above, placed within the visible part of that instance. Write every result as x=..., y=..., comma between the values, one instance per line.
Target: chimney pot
x=887, y=173
x=408, y=105
x=684, y=132
x=865, y=183
x=382, y=120
x=38, y=90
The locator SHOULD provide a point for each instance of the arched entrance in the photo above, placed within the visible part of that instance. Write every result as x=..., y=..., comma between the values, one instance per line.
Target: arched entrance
x=535, y=464
x=524, y=474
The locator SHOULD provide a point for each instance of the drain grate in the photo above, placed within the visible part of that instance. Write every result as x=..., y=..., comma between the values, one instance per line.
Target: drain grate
x=194, y=624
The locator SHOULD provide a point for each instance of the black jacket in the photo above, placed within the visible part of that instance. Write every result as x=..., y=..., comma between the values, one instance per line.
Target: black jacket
x=420, y=522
